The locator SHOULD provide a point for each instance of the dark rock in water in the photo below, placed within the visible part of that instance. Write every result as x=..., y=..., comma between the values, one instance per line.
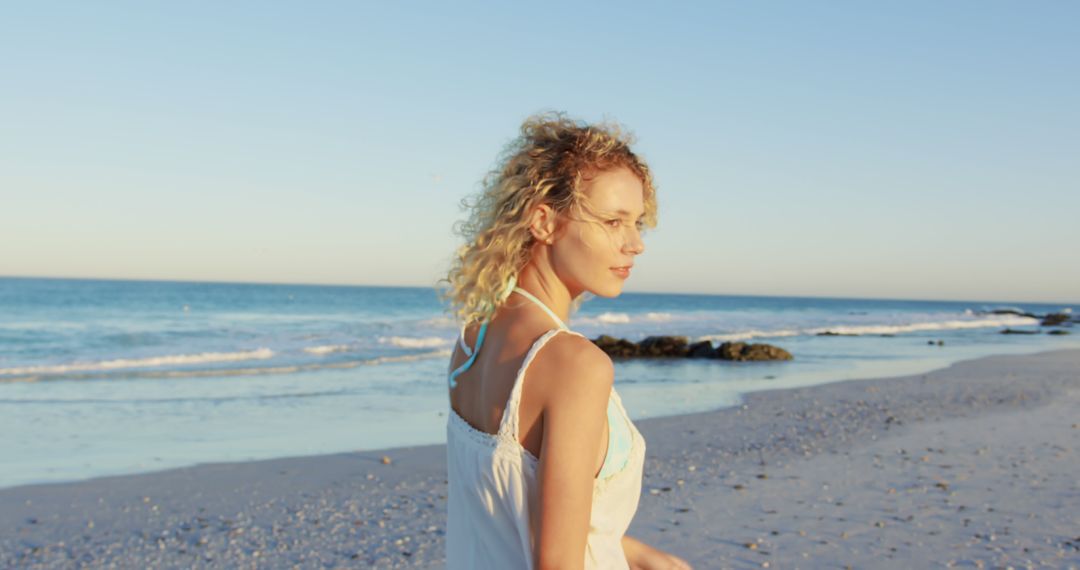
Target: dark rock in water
x=941, y=343
x=618, y=347
x=741, y=351
x=1058, y=331
x=664, y=346
x=701, y=349
x=831, y=333
x=1010, y=312
x=1055, y=319
x=680, y=347
x=1017, y=331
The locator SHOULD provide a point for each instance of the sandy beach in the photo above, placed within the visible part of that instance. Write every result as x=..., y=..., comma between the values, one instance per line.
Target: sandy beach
x=972, y=466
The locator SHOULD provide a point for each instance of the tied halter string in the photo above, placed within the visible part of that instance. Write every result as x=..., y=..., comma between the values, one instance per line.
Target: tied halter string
x=483, y=331
x=546, y=309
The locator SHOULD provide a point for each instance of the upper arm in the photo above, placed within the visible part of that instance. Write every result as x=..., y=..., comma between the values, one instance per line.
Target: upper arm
x=577, y=377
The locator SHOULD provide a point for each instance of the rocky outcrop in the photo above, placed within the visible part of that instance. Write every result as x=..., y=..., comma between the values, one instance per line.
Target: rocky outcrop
x=617, y=347
x=742, y=352
x=1058, y=332
x=1018, y=331
x=664, y=347
x=701, y=349
x=680, y=347
x=1048, y=320
x=1055, y=319
x=1017, y=312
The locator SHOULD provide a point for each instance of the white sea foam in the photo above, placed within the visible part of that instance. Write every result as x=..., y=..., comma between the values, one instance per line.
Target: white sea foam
x=439, y=322
x=928, y=326
x=122, y=363
x=611, y=318
x=413, y=342
x=408, y=357
x=623, y=318
x=327, y=348
x=35, y=375
x=747, y=335
x=877, y=329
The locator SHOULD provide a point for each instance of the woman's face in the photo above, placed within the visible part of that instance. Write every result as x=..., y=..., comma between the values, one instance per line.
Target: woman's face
x=595, y=253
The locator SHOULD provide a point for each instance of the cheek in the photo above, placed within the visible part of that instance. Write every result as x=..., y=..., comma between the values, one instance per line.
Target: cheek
x=594, y=241
x=586, y=251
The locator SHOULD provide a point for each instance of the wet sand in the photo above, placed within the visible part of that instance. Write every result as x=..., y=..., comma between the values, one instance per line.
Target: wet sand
x=972, y=466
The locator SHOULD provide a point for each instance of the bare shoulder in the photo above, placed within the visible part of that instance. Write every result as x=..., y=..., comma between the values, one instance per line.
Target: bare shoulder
x=572, y=368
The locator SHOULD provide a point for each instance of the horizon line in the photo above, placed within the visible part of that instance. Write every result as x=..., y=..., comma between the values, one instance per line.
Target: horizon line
x=433, y=287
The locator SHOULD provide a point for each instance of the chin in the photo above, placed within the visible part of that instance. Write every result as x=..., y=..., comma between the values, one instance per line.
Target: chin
x=609, y=291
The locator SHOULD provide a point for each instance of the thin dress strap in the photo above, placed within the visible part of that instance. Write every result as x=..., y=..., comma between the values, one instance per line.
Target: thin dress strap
x=510, y=419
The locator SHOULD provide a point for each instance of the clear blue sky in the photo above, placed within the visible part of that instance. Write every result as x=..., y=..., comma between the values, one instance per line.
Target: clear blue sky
x=905, y=150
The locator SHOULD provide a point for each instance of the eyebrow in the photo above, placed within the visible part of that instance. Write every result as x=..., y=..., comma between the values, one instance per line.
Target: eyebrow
x=625, y=213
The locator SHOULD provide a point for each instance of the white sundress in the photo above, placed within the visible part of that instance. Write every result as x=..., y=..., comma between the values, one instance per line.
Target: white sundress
x=493, y=487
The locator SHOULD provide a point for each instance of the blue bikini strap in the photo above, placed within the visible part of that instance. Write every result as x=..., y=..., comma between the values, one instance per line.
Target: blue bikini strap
x=465, y=365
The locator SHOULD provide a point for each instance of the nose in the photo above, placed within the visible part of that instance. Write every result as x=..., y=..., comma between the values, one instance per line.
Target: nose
x=635, y=245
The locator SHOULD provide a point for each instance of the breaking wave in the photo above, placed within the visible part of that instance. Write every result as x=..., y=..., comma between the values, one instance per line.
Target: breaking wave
x=882, y=329
x=153, y=361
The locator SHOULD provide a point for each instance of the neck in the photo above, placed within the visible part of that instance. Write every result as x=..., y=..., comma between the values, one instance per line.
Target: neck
x=549, y=289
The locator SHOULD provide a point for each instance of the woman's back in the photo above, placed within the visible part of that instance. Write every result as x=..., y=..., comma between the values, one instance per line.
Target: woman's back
x=494, y=444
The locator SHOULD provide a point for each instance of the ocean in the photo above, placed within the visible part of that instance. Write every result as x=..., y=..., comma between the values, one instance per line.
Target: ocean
x=102, y=377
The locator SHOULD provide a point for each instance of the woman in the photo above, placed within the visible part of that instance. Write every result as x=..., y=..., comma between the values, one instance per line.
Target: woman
x=544, y=466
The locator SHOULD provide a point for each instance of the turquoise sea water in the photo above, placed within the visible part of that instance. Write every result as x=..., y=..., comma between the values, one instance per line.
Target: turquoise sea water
x=105, y=377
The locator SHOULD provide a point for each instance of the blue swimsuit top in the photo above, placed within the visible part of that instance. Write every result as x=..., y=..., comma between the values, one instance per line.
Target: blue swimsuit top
x=619, y=438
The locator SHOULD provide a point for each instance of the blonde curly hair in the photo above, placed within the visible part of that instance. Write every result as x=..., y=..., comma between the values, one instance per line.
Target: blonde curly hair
x=545, y=164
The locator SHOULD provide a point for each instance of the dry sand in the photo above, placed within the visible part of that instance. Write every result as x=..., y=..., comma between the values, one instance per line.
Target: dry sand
x=972, y=466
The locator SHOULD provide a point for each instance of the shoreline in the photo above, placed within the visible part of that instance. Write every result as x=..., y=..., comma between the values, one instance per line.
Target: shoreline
x=710, y=481
x=71, y=452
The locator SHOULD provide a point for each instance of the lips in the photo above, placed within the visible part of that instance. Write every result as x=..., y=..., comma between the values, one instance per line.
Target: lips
x=623, y=271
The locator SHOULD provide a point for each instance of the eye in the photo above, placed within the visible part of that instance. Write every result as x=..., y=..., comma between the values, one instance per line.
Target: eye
x=640, y=224
x=614, y=223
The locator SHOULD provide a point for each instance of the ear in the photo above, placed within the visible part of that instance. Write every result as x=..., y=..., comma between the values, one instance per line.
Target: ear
x=543, y=223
